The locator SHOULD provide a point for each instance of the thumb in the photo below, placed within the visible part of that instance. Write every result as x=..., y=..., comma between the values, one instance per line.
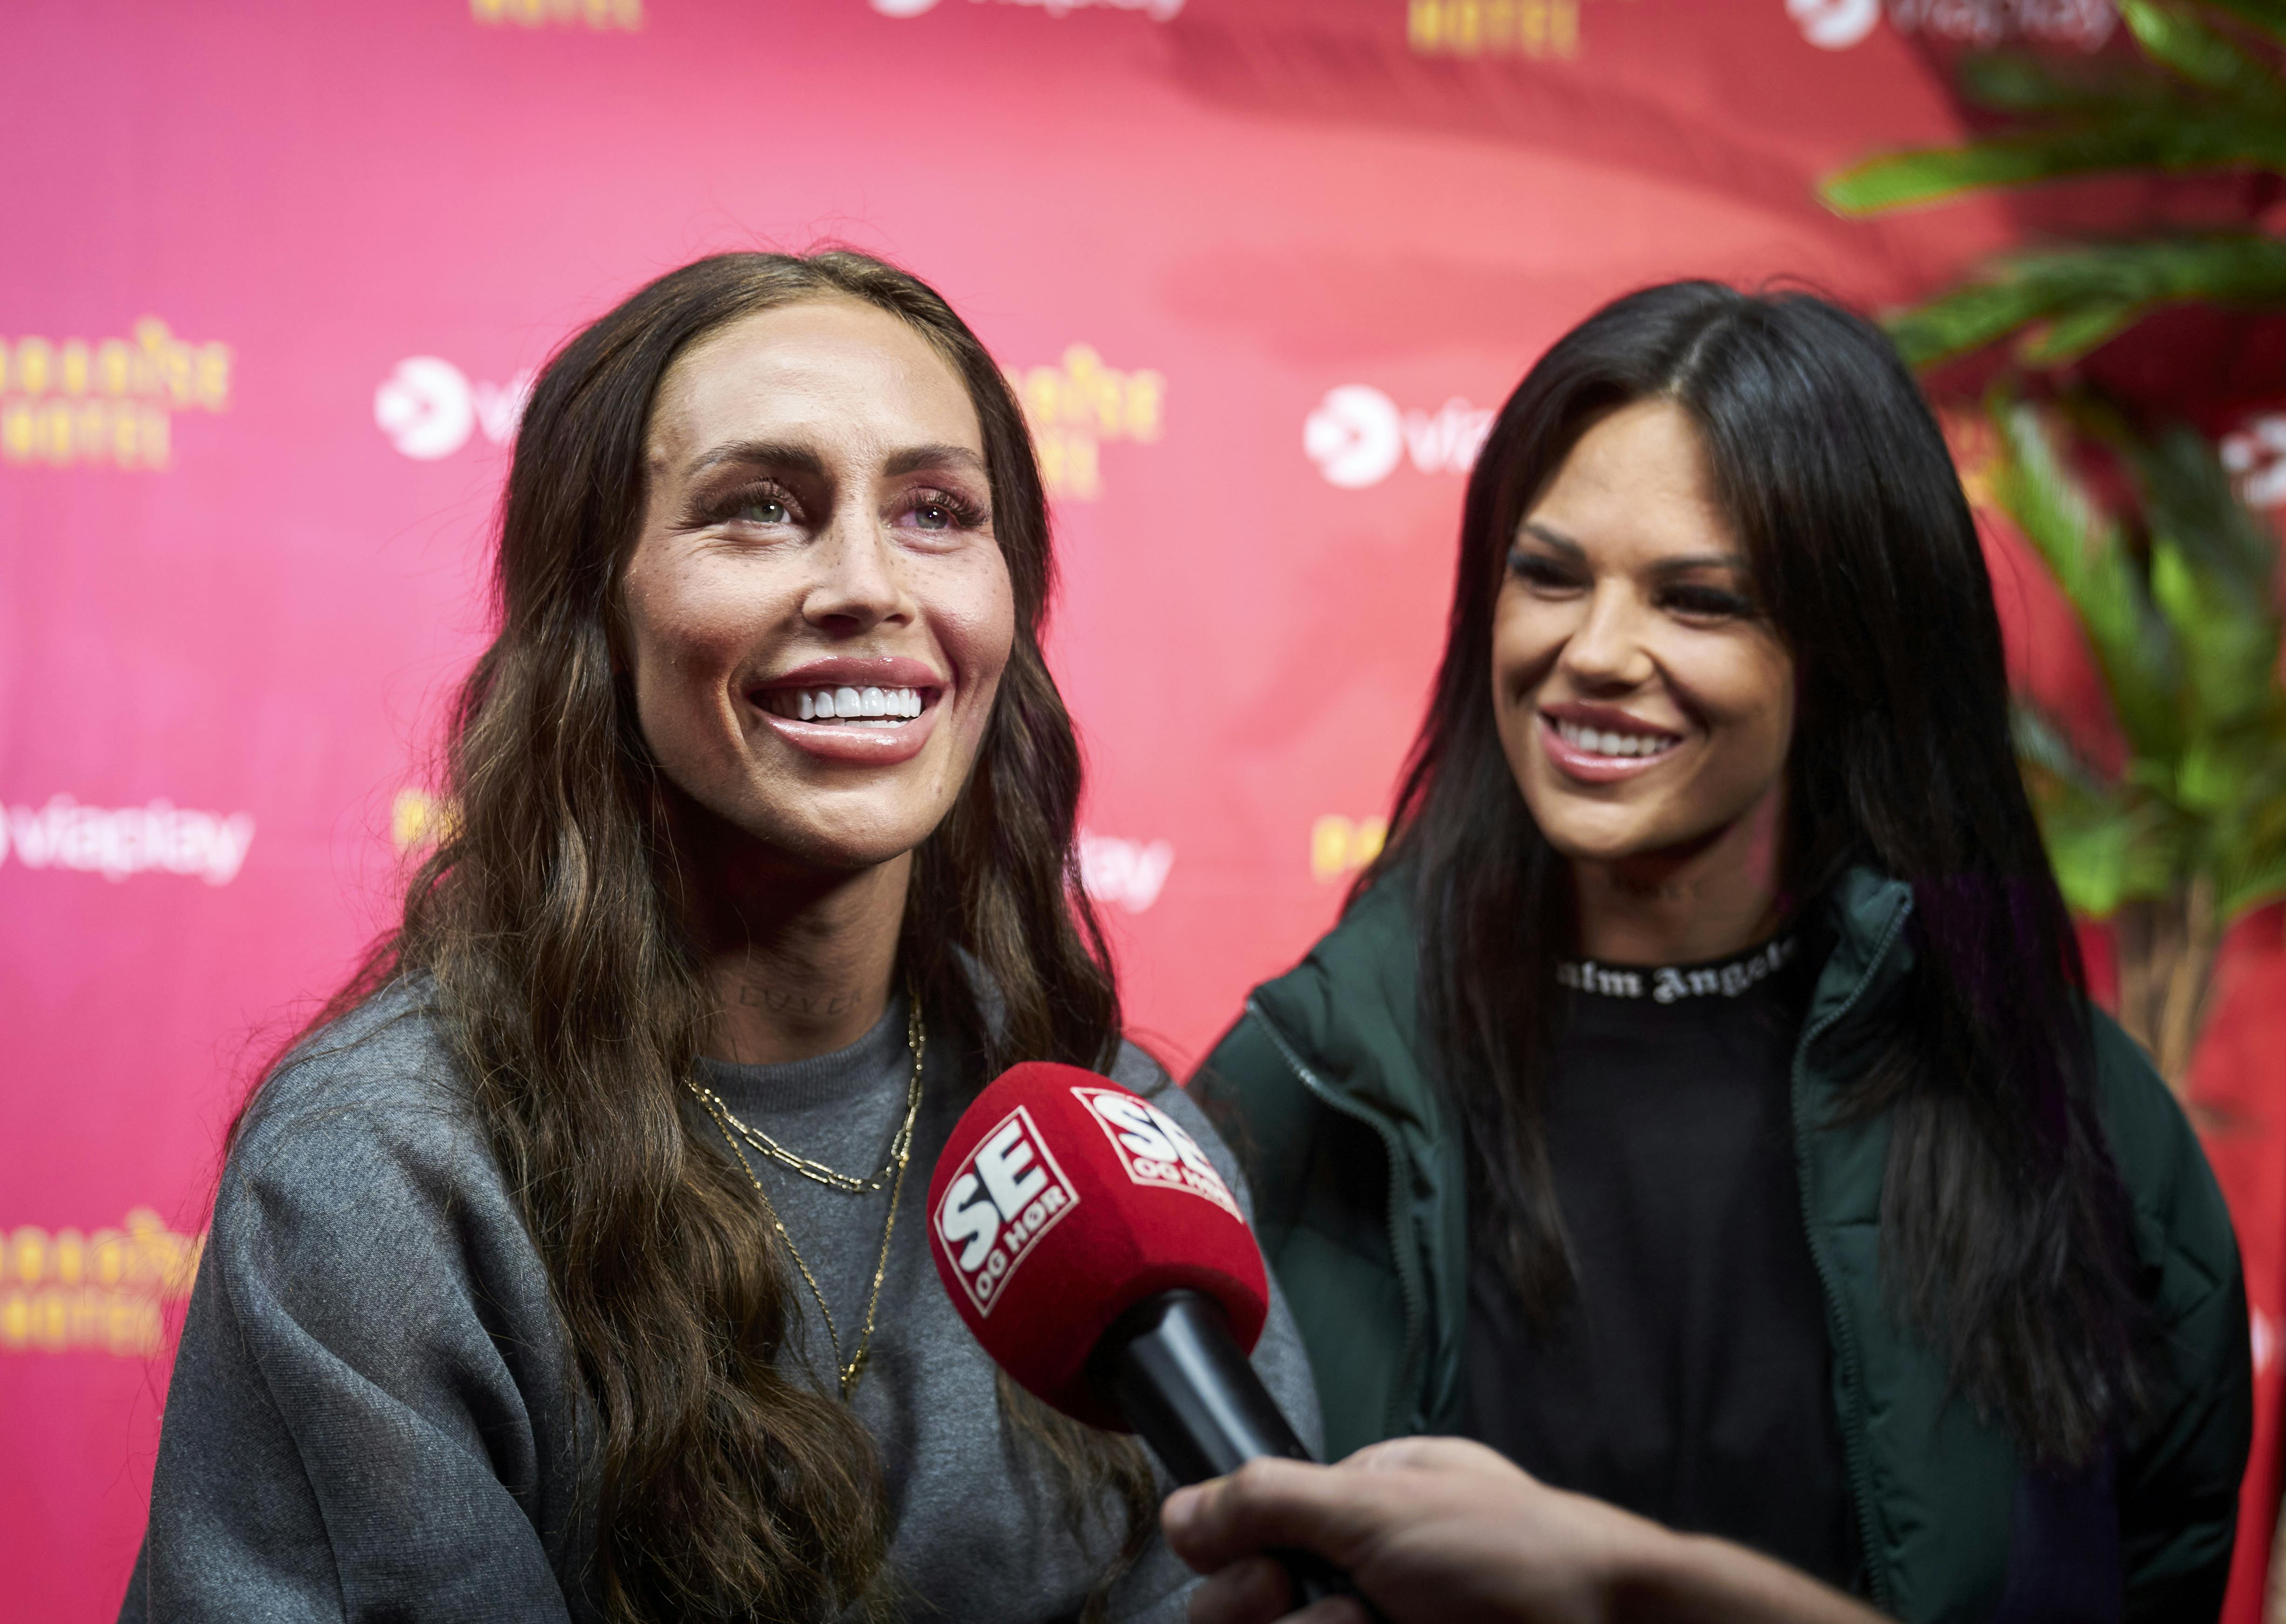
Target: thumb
x=1269, y=1503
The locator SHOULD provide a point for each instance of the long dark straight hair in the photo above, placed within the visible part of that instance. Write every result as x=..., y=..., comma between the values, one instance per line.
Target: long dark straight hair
x=2003, y=1220
x=567, y=983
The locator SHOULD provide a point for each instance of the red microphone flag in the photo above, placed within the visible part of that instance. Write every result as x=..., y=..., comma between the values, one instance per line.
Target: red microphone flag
x=1061, y=1200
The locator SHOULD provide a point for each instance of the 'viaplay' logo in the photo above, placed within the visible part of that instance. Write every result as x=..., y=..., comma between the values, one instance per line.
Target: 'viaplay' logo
x=429, y=407
x=1007, y=1195
x=156, y=838
x=108, y=403
x=1357, y=436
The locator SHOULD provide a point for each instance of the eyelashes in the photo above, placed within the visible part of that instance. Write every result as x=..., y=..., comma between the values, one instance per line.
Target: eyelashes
x=959, y=512
x=1695, y=600
x=964, y=514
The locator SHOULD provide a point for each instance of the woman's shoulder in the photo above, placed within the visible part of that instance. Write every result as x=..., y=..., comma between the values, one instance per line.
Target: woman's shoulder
x=1346, y=1018
x=2182, y=1221
x=370, y=1111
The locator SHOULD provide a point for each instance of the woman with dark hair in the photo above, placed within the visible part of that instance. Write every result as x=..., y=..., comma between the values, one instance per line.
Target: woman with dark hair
x=1699, y=1101
x=569, y=1267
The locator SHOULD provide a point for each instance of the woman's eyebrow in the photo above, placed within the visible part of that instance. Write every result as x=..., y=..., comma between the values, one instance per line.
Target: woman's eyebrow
x=917, y=458
x=1685, y=563
x=1556, y=539
x=762, y=453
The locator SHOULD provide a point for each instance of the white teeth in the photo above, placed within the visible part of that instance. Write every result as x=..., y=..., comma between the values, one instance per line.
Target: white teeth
x=882, y=705
x=1597, y=742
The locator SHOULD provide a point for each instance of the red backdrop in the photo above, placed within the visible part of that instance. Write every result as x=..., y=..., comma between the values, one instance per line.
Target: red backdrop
x=276, y=275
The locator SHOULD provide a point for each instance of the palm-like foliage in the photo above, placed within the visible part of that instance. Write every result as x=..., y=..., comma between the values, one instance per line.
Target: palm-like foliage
x=2206, y=95
x=2176, y=587
x=2184, y=626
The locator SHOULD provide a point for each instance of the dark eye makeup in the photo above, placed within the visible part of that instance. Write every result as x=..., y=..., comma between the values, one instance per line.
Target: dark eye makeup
x=1698, y=600
x=1545, y=570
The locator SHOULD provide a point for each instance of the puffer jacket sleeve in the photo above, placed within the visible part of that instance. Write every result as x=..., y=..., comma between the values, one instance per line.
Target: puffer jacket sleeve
x=2179, y=1473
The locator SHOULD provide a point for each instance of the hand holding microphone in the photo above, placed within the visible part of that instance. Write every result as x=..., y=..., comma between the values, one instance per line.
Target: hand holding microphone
x=1443, y=1531
x=1102, y=1261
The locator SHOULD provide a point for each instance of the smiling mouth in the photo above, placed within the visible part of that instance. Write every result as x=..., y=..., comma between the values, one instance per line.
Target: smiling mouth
x=1626, y=747
x=861, y=708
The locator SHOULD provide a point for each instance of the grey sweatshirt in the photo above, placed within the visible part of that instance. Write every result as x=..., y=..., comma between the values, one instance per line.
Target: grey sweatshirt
x=368, y=1417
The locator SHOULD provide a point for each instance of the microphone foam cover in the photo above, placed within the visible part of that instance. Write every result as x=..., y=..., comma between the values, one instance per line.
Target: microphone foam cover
x=1061, y=1199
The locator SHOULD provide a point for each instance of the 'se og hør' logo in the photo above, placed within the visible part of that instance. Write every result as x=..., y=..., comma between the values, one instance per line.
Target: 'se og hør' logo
x=1007, y=1194
x=1153, y=1147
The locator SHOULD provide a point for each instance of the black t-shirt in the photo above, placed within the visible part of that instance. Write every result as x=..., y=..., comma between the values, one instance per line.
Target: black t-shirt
x=1689, y=1379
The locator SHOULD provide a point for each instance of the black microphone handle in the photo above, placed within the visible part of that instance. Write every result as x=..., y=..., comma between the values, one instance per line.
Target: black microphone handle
x=1173, y=1369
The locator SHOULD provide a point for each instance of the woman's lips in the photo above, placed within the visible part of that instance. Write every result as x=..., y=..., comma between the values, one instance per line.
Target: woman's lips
x=1587, y=761
x=867, y=741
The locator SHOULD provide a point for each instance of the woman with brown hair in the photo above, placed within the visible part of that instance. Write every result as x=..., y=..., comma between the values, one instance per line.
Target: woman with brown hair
x=567, y=1267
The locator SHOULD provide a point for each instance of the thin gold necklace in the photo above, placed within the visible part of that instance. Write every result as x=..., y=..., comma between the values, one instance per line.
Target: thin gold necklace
x=817, y=1171
x=900, y=1154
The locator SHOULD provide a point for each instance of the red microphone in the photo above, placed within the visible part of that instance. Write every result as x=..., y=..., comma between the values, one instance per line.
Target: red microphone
x=1099, y=1257
x=1102, y=1260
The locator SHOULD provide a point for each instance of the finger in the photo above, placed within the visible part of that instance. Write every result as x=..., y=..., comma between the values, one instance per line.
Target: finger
x=1442, y=1454
x=1332, y=1610
x=1251, y=1590
x=1274, y=1503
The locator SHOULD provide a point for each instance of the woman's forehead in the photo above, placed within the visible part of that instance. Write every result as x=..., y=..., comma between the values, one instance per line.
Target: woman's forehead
x=824, y=369
x=1637, y=483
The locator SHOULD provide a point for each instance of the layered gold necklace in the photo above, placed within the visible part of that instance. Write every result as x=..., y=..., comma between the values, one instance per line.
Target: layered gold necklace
x=742, y=1136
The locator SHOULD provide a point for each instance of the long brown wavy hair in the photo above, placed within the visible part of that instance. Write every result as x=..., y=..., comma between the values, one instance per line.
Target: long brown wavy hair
x=568, y=988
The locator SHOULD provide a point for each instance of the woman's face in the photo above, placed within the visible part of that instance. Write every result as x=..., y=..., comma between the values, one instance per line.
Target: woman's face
x=1644, y=703
x=817, y=611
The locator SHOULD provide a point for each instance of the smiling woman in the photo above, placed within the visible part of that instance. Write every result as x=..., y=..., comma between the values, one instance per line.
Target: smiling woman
x=1699, y=1101
x=558, y=1271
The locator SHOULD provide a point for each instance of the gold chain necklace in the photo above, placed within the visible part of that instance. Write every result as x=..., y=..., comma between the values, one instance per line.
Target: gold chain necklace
x=901, y=1150
x=818, y=1173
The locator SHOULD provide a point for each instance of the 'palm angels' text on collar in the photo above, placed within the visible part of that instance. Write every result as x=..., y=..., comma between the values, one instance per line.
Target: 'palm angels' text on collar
x=1671, y=983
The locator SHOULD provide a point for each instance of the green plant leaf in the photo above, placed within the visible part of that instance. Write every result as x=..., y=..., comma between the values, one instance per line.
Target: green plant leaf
x=2175, y=139
x=2043, y=745
x=2269, y=16
x=2028, y=82
x=2073, y=333
x=2087, y=553
x=2085, y=295
x=2214, y=61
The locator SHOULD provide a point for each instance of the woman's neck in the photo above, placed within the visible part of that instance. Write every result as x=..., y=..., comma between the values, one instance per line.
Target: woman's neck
x=1709, y=899
x=797, y=961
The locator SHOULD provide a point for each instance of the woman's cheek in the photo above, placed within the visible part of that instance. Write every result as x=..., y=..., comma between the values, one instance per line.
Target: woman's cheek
x=976, y=627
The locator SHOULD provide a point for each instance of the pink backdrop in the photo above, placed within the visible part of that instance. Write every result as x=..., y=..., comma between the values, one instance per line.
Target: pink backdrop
x=276, y=272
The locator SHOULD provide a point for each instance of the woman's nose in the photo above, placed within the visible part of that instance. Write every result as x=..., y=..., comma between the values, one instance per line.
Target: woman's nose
x=860, y=583
x=1606, y=649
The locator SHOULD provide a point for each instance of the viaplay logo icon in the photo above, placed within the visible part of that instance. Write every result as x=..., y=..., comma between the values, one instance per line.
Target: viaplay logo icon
x=1007, y=1194
x=1834, y=25
x=1357, y=436
x=429, y=407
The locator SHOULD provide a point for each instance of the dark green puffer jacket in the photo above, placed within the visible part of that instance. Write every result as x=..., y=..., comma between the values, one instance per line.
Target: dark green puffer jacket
x=1360, y=1197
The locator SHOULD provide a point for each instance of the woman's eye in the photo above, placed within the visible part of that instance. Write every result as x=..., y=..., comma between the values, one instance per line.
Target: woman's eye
x=763, y=510
x=939, y=512
x=1709, y=603
x=1539, y=570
